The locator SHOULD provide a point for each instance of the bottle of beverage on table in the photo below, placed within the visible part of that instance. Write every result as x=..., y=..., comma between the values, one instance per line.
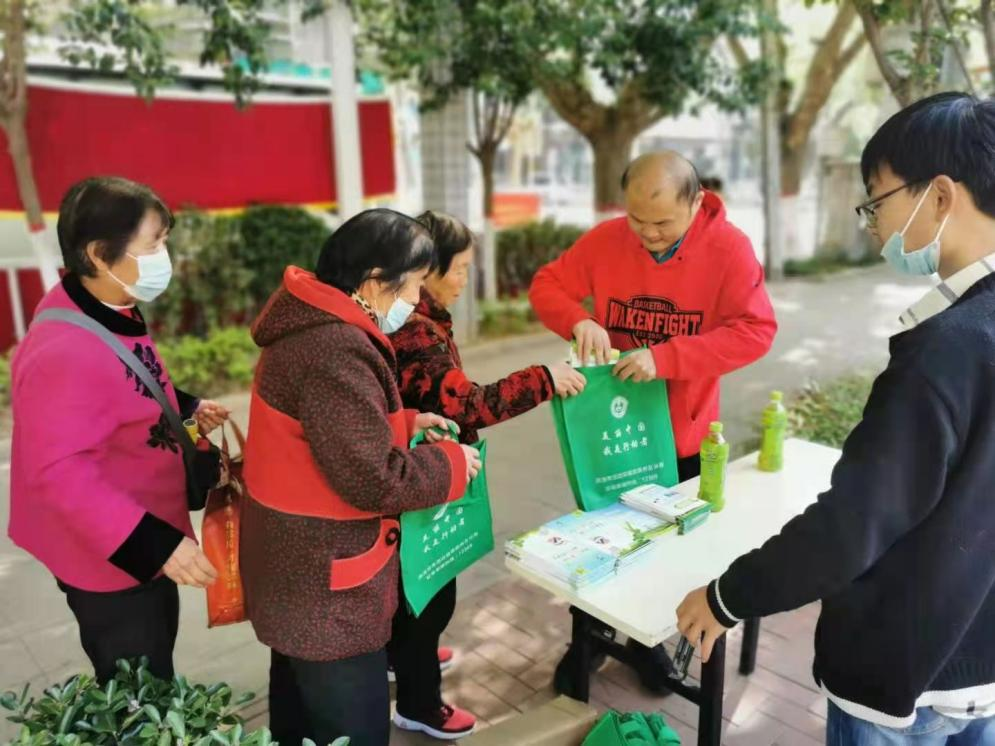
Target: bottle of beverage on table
x=714, y=457
x=775, y=421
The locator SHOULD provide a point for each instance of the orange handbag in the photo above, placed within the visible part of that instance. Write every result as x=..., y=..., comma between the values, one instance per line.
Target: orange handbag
x=220, y=536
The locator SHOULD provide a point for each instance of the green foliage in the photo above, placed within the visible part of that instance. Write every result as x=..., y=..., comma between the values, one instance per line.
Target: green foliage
x=820, y=265
x=134, y=708
x=447, y=47
x=507, y=318
x=211, y=283
x=116, y=34
x=226, y=267
x=522, y=251
x=5, y=380
x=217, y=364
x=273, y=237
x=661, y=49
x=827, y=413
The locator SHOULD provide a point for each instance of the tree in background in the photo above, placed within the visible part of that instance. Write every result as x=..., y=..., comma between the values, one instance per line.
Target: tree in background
x=451, y=48
x=799, y=107
x=935, y=27
x=120, y=36
x=654, y=59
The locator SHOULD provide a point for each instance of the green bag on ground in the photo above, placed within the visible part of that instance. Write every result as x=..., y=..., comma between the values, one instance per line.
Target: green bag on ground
x=439, y=543
x=614, y=436
x=632, y=729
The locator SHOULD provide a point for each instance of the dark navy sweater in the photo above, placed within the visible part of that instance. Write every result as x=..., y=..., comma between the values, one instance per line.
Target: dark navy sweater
x=901, y=549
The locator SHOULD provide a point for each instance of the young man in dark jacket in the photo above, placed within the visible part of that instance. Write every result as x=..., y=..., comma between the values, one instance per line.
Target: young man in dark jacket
x=901, y=549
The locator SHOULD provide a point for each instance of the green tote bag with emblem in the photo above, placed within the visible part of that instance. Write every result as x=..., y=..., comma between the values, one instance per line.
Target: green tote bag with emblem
x=439, y=543
x=614, y=436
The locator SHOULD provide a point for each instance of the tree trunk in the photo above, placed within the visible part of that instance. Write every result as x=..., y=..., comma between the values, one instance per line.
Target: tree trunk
x=13, y=118
x=988, y=27
x=612, y=152
x=486, y=154
x=792, y=166
x=20, y=155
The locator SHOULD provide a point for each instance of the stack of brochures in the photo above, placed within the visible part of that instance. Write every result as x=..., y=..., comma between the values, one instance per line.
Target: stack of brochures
x=583, y=548
x=665, y=503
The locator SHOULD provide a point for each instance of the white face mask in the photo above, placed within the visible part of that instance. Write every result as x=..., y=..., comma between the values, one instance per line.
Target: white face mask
x=924, y=261
x=154, y=273
x=396, y=317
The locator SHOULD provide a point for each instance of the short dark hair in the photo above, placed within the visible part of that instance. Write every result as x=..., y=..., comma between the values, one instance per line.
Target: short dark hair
x=108, y=210
x=450, y=236
x=689, y=188
x=949, y=134
x=378, y=239
x=711, y=183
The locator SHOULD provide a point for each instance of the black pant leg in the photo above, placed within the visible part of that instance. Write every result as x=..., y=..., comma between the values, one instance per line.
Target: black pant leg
x=140, y=621
x=413, y=653
x=689, y=467
x=348, y=697
x=288, y=718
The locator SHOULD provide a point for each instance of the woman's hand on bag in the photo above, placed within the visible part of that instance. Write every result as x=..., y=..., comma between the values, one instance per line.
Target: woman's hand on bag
x=566, y=380
x=426, y=421
x=188, y=565
x=473, y=462
x=211, y=415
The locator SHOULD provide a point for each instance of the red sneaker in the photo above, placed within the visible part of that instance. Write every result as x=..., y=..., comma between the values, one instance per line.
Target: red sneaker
x=448, y=723
x=446, y=660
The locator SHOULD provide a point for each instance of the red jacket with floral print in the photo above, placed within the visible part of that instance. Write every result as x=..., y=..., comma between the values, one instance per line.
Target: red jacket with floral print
x=432, y=378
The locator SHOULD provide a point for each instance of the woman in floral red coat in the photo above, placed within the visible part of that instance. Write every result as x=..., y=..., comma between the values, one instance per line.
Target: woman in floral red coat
x=432, y=379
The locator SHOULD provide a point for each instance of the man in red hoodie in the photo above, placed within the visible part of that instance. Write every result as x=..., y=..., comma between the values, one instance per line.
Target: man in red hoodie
x=673, y=277
x=676, y=281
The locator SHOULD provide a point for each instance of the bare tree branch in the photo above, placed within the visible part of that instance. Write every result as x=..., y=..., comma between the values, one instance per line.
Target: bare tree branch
x=872, y=29
x=738, y=51
x=828, y=63
x=925, y=50
x=958, y=52
x=508, y=118
x=574, y=103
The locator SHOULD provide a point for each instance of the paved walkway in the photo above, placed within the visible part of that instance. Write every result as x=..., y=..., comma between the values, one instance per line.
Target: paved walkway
x=509, y=636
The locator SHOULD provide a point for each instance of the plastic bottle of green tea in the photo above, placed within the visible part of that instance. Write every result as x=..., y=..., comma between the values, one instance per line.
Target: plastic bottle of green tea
x=775, y=421
x=714, y=457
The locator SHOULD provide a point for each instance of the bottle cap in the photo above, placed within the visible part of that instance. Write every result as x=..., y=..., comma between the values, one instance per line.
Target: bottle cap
x=776, y=396
x=715, y=427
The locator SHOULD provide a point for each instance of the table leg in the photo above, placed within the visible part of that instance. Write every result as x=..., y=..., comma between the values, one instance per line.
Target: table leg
x=710, y=704
x=581, y=644
x=748, y=656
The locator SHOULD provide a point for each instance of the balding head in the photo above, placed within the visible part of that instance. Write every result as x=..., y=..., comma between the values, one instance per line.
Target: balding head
x=651, y=174
x=662, y=196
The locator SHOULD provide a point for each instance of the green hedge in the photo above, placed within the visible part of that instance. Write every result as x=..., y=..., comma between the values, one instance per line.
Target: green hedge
x=522, y=251
x=226, y=267
x=219, y=363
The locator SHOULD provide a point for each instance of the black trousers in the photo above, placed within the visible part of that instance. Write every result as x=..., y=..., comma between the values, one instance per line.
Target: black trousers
x=140, y=621
x=323, y=700
x=689, y=468
x=413, y=652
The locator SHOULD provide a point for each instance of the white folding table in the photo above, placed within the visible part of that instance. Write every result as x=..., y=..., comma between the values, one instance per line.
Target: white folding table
x=641, y=600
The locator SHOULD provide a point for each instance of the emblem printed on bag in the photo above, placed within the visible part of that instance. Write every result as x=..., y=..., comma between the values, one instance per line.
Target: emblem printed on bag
x=620, y=405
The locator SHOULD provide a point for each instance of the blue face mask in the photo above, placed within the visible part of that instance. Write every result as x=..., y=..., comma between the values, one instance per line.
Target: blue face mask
x=154, y=273
x=924, y=261
x=397, y=316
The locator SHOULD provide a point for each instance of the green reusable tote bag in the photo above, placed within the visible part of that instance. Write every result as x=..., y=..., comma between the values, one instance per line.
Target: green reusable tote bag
x=632, y=729
x=614, y=436
x=439, y=543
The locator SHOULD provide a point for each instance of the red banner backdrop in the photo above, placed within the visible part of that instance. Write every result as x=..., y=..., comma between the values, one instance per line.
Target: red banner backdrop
x=205, y=153
x=195, y=150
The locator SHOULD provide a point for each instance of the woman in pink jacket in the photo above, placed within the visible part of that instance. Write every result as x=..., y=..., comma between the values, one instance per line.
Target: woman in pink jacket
x=98, y=488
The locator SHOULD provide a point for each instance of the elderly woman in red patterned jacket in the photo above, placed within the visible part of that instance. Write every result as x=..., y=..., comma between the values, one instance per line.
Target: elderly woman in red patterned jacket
x=432, y=380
